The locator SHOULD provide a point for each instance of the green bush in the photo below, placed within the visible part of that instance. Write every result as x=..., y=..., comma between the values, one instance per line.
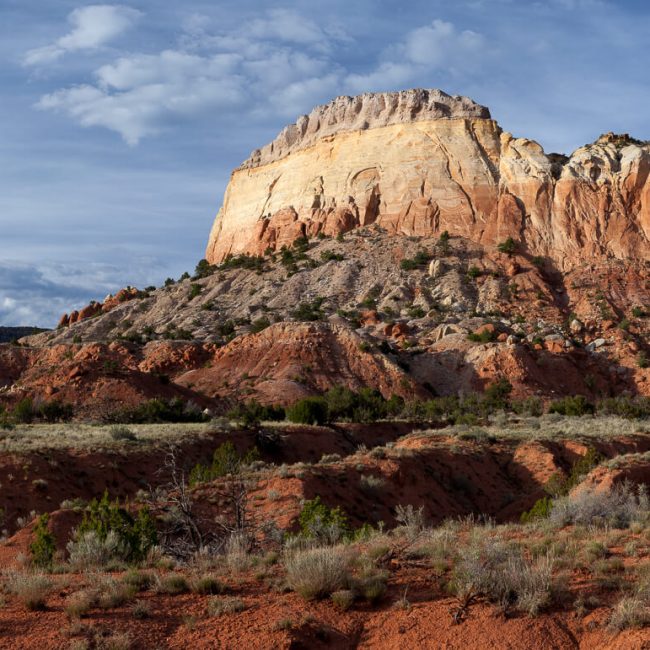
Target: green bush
x=55, y=411
x=250, y=262
x=195, y=290
x=420, y=259
x=367, y=405
x=136, y=534
x=310, y=410
x=575, y=406
x=259, y=325
x=24, y=411
x=43, y=547
x=509, y=246
x=496, y=396
x=252, y=413
x=485, y=336
x=540, y=510
x=322, y=522
x=160, y=410
x=225, y=460
x=632, y=408
x=309, y=311
x=408, y=265
x=531, y=406
x=204, y=269
x=331, y=256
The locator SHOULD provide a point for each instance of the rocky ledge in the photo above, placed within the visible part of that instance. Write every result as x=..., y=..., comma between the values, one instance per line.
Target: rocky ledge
x=366, y=111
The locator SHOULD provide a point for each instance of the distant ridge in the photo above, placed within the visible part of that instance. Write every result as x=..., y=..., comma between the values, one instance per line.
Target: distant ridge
x=8, y=334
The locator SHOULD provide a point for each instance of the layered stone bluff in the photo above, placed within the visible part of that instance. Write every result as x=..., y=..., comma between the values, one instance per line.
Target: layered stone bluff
x=419, y=162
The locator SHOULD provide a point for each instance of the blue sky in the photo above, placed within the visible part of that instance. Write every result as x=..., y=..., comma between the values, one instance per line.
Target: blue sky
x=120, y=123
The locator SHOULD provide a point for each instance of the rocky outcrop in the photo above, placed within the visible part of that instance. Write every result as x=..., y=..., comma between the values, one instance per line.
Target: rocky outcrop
x=421, y=162
x=95, y=308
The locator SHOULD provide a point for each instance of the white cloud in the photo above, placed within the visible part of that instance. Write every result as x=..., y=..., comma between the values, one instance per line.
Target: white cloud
x=288, y=26
x=140, y=94
x=439, y=46
x=92, y=27
x=135, y=96
x=281, y=64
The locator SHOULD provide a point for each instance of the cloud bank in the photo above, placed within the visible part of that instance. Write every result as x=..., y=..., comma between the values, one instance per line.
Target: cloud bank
x=92, y=27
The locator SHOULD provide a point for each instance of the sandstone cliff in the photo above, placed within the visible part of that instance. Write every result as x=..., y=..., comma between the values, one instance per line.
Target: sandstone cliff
x=420, y=162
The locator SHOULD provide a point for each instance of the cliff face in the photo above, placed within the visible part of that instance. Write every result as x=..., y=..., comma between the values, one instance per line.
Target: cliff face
x=420, y=162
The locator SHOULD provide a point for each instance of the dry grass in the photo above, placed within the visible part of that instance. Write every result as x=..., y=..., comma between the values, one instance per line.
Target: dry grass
x=318, y=572
x=77, y=435
x=218, y=606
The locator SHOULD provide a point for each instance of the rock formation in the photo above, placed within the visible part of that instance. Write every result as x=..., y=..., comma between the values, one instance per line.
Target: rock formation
x=419, y=162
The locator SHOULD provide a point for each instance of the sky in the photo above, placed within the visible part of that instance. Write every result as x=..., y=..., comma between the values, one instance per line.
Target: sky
x=120, y=123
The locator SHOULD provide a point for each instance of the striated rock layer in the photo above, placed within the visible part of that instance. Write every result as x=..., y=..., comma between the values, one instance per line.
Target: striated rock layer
x=420, y=162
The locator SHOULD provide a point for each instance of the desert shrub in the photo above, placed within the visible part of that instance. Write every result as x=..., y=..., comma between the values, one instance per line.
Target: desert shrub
x=24, y=411
x=495, y=396
x=80, y=603
x=343, y=599
x=616, y=508
x=203, y=269
x=133, y=536
x=207, y=584
x=138, y=580
x=260, y=324
x=485, y=336
x=55, y=411
x=331, y=256
x=370, y=582
x=309, y=410
x=318, y=572
x=111, y=593
x=629, y=612
x=509, y=246
x=531, y=406
x=492, y=569
x=43, y=547
x=237, y=552
x=309, y=311
x=88, y=550
x=625, y=407
x=172, y=333
x=370, y=483
x=31, y=589
x=408, y=264
x=121, y=433
x=322, y=523
x=576, y=406
x=225, y=605
x=410, y=519
x=642, y=360
x=245, y=261
x=195, y=290
x=225, y=460
x=114, y=641
x=252, y=412
x=160, y=410
x=541, y=510
x=366, y=405
x=474, y=272
x=560, y=485
x=443, y=242
x=173, y=584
